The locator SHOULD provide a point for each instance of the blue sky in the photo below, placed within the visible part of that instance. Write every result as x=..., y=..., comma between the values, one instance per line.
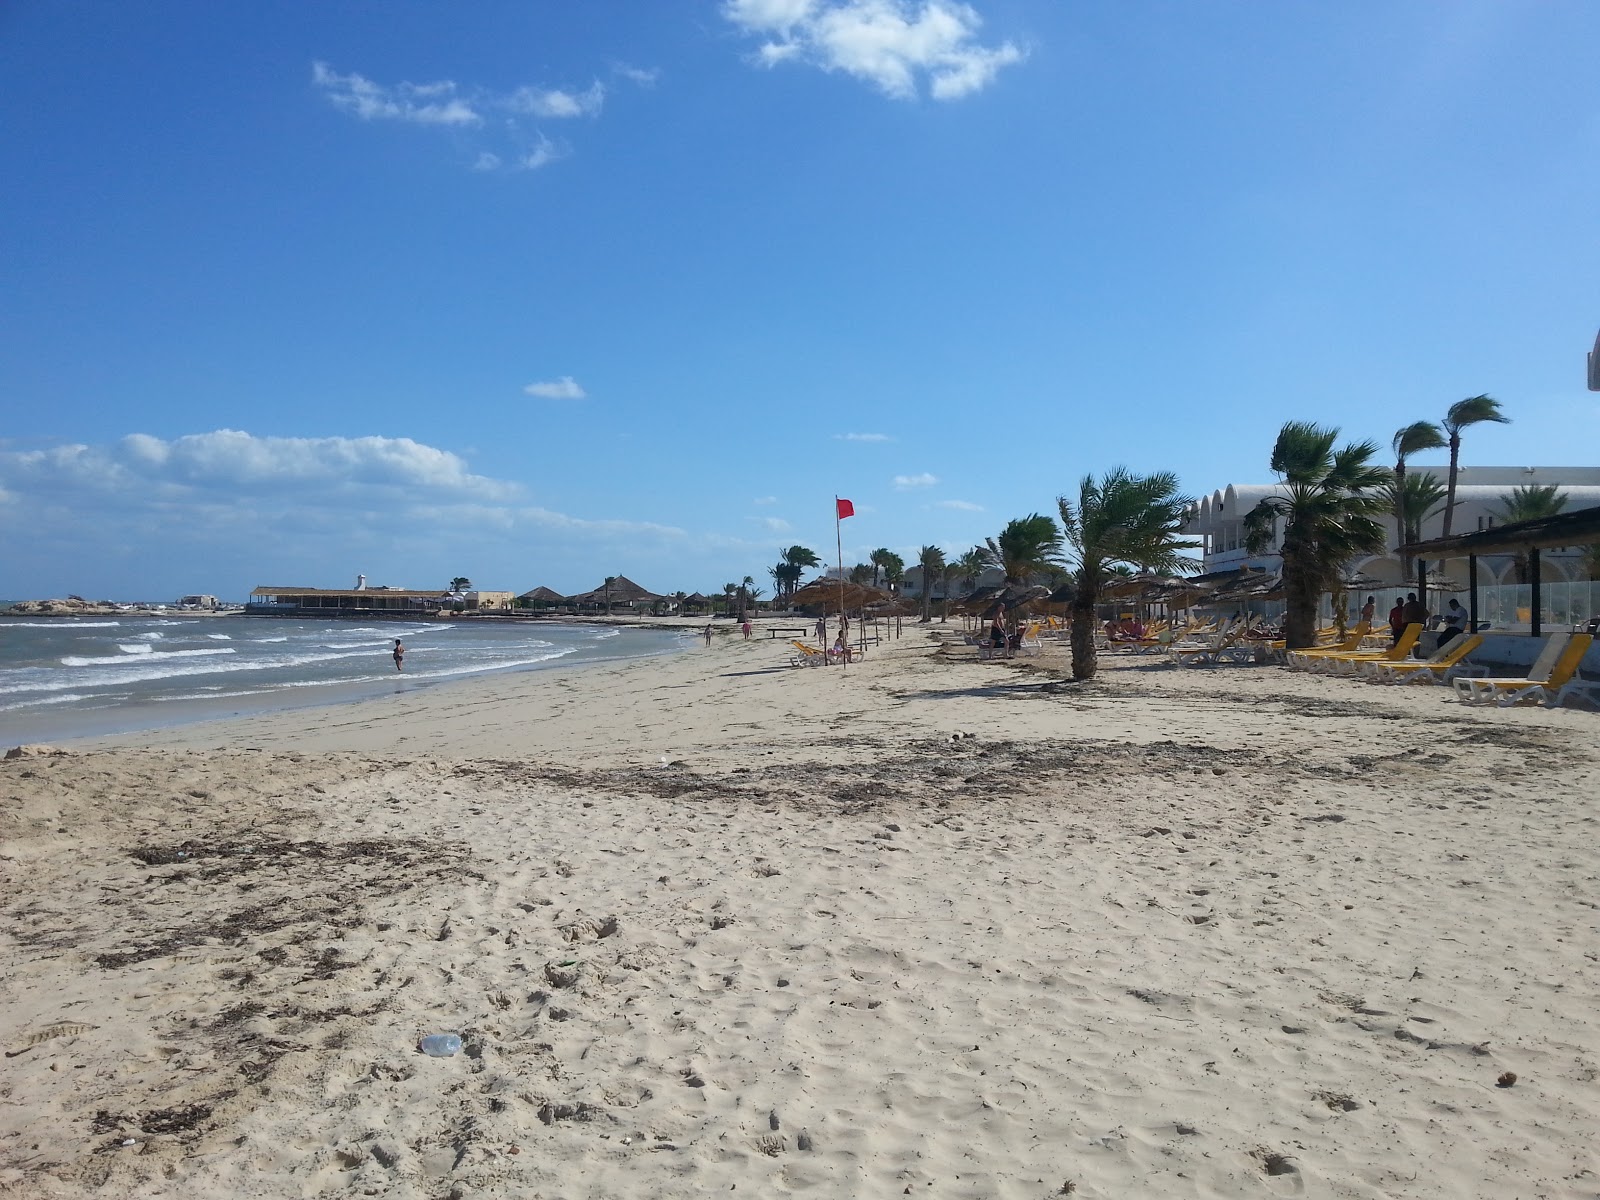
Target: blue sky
x=541, y=292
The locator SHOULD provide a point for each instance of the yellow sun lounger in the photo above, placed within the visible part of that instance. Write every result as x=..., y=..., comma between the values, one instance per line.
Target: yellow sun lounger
x=1351, y=662
x=1300, y=659
x=807, y=656
x=1444, y=665
x=1553, y=671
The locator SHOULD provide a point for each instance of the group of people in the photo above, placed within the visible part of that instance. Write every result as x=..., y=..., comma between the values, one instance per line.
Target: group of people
x=1451, y=623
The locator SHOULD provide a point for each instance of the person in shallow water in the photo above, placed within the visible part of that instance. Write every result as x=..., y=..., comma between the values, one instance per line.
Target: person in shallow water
x=399, y=655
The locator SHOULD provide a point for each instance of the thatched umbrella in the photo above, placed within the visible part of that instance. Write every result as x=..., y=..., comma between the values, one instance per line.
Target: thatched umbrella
x=1013, y=597
x=827, y=594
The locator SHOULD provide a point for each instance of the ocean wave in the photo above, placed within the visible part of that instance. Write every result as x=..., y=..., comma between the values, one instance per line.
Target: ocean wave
x=129, y=648
x=69, y=623
x=153, y=635
x=220, y=637
x=66, y=698
x=141, y=654
x=266, y=640
x=141, y=669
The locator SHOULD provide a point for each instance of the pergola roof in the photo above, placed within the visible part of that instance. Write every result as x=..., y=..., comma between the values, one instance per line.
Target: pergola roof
x=1579, y=528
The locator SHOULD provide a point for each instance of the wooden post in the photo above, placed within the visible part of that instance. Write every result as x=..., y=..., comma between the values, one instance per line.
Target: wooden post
x=1533, y=578
x=1472, y=593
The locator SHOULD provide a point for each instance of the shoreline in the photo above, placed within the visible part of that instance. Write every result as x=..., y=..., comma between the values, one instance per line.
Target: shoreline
x=136, y=723
x=706, y=921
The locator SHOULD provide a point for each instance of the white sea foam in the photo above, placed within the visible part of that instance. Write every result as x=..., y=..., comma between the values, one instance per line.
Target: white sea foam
x=66, y=698
x=67, y=624
x=126, y=648
x=153, y=635
x=138, y=653
x=264, y=641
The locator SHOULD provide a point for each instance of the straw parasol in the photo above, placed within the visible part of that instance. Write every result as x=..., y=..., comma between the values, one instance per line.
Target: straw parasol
x=1013, y=597
x=827, y=593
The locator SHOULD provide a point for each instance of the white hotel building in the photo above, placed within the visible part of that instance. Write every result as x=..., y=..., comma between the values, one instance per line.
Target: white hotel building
x=1480, y=495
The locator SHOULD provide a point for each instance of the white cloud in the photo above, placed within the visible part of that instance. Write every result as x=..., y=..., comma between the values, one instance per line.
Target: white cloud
x=500, y=143
x=556, y=103
x=907, y=482
x=773, y=524
x=644, y=77
x=766, y=500
x=542, y=155
x=959, y=505
x=565, y=388
x=420, y=104
x=862, y=437
x=892, y=44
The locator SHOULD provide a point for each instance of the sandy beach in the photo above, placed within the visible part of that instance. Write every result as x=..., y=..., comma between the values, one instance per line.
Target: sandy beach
x=707, y=924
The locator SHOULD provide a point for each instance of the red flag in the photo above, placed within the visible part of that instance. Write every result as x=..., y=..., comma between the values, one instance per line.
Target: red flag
x=846, y=509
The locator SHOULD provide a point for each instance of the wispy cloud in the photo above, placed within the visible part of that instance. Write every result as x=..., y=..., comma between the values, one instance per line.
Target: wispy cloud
x=503, y=142
x=644, y=77
x=907, y=482
x=236, y=504
x=766, y=500
x=556, y=103
x=419, y=103
x=959, y=505
x=229, y=459
x=565, y=388
x=773, y=524
x=893, y=44
x=862, y=437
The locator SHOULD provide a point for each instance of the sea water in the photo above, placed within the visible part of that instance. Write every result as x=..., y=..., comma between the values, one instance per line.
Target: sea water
x=65, y=677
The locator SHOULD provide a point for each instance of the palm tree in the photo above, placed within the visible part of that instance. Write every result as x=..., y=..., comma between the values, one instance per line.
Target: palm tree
x=461, y=584
x=931, y=560
x=791, y=566
x=971, y=565
x=1529, y=504
x=1474, y=410
x=861, y=573
x=1415, y=437
x=1118, y=523
x=728, y=592
x=894, y=570
x=1330, y=515
x=879, y=559
x=1026, y=547
x=610, y=579
x=1423, y=492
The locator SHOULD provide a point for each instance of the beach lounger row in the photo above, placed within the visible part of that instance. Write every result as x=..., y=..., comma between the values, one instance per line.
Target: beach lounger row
x=1551, y=681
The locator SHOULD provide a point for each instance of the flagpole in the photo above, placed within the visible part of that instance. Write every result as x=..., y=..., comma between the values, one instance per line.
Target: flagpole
x=838, y=544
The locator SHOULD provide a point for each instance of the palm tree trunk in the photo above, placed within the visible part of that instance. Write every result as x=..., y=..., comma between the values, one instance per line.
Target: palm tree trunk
x=1302, y=589
x=1083, y=651
x=1450, y=487
x=1400, y=514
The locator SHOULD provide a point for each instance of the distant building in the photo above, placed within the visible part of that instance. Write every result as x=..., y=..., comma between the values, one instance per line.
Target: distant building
x=208, y=603
x=334, y=602
x=1480, y=494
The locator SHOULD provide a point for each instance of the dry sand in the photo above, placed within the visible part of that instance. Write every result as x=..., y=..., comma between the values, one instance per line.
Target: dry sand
x=708, y=923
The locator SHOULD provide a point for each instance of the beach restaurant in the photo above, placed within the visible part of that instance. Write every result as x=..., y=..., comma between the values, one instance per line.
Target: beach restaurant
x=337, y=602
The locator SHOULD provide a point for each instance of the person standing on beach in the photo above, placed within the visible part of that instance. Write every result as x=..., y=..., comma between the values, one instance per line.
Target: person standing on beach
x=745, y=625
x=1397, y=618
x=822, y=631
x=1369, y=610
x=399, y=655
x=1414, y=612
x=708, y=635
